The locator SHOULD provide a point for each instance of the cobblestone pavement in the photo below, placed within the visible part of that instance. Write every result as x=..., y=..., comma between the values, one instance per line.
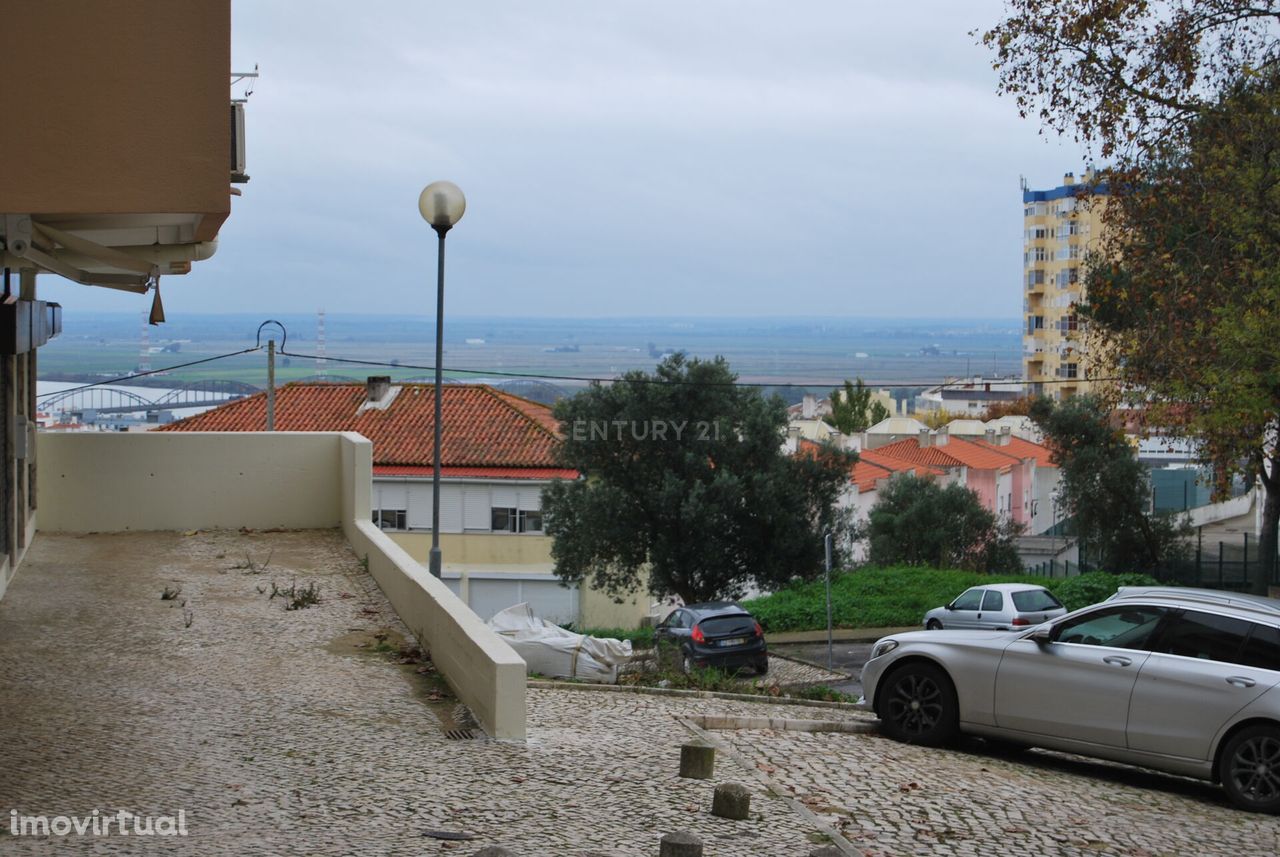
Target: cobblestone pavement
x=783, y=672
x=276, y=735
x=283, y=732
x=894, y=799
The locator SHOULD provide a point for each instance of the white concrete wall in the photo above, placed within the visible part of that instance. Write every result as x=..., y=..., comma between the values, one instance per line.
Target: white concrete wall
x=1227, y=509
x=108, y=482
x=1044, y=481
x=112, y=481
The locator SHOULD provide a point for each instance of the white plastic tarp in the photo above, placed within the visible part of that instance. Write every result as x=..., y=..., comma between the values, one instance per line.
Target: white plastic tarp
x=550, y=650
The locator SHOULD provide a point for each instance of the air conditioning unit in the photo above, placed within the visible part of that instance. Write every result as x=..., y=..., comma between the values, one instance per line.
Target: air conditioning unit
x=237, y=143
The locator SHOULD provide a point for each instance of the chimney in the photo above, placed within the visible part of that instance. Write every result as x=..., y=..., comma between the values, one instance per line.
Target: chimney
x=990, y=436
x=1069, y=179
x=376, y=387
x=941, y=436
x=809, y=406
x=924, y=440
x=1006, y=432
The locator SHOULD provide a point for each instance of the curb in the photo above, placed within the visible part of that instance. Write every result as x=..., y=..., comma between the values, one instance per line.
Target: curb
x=542, y=684
x=729, y=722
x=838, y=635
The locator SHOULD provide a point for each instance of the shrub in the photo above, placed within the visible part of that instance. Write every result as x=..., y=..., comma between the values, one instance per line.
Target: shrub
x=1095, y=586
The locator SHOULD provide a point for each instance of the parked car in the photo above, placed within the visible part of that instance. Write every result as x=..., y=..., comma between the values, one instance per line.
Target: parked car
x=715, y=634
x=996, y=607
x=1181, y=680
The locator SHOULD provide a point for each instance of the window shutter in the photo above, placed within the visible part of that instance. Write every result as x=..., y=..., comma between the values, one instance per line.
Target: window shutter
x=392, y=495
x=475, y=510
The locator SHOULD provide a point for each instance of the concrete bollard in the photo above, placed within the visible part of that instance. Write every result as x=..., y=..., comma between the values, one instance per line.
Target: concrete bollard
x=697, y=760
x=731, y=800
x=680, y=844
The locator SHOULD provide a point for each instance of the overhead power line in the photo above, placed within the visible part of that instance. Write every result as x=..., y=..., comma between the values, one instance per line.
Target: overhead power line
x=535, y=376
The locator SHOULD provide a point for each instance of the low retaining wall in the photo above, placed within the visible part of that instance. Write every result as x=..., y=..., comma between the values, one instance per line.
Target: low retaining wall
x=110, y=482
x=1224, y=511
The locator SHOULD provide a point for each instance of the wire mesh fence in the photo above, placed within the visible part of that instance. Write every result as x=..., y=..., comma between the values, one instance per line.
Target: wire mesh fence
x=1209, y=563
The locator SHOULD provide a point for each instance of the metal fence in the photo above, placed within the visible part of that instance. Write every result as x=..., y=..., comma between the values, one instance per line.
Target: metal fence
x=1211, y=564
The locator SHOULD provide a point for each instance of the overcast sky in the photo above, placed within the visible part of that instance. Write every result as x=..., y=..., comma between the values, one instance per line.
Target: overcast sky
x=624, y=158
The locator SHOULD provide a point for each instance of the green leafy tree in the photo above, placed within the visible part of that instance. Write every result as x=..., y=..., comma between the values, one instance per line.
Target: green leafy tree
x=1190, y=304
x=1104, y=489
x=853, y=410
x=1184, y=295
x=1128, y=75
x=688, y=489
x=917, y=522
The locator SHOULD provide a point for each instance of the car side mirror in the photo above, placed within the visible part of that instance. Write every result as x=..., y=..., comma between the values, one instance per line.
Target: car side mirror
x=951, y=606
x=1042, y=636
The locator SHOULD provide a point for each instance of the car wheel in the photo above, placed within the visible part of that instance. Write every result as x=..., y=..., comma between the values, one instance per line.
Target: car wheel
x=918, y=705
x=1250, y=769
x=762, y=666
x=934, y=625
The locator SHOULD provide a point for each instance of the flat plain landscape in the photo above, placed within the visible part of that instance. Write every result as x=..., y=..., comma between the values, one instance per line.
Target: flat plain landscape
x=806, y=352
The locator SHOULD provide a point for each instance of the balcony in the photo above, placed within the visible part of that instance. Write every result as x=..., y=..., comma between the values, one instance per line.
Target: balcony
x=103, y=483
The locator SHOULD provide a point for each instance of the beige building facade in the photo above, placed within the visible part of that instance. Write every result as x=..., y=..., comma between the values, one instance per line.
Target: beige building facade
x=1061, y=227
x=121, y=162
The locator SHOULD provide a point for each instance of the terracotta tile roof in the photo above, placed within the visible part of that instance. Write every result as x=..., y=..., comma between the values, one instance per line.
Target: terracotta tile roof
x=872, y=466
x=898, y=465
x=953, y=453
x=909, y=449
x=1026, y=449
x=865, y=475
x=979, y=456
x=483, y=427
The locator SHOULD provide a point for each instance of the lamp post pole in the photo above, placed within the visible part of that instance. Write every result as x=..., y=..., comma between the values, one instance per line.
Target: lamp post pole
x=441, y=205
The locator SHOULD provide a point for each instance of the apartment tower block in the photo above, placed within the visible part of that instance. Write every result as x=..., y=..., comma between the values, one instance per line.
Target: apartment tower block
x=1061, y=227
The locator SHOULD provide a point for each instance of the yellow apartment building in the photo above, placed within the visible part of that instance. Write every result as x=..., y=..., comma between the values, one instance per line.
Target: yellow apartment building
x=1061, y=226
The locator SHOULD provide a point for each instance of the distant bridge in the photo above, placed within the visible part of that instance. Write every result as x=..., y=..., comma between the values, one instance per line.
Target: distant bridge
x=113, y=400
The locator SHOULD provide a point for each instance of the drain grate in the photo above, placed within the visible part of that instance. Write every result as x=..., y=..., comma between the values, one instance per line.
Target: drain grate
x=459, y=734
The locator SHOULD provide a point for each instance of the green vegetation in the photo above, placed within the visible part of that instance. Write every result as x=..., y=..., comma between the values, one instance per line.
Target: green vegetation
x=853, y=410
x=917, y=522
x=888, y=597
x=822, y=693
x=1183, y=285
x=1105, y=490
x=688, y=488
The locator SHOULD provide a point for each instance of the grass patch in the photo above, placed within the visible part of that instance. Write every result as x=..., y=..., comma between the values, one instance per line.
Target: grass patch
x=887, y=597
x=708, y=678
x=822, y=693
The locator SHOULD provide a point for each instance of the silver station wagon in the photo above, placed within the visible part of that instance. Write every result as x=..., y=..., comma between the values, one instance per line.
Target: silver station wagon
x=1180, y=680
x=996, y=607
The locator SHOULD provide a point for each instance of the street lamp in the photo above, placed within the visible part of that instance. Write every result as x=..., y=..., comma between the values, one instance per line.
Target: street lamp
x=441, y=205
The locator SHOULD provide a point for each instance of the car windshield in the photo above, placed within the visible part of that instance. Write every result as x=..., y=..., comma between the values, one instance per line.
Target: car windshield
x=1033, y=600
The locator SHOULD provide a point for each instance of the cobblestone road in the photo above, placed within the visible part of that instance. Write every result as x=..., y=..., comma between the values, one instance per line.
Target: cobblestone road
x=278, y=735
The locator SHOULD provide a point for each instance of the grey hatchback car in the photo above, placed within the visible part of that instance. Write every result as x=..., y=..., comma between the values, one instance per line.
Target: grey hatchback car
x=1181, y=680
x=996, y=607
